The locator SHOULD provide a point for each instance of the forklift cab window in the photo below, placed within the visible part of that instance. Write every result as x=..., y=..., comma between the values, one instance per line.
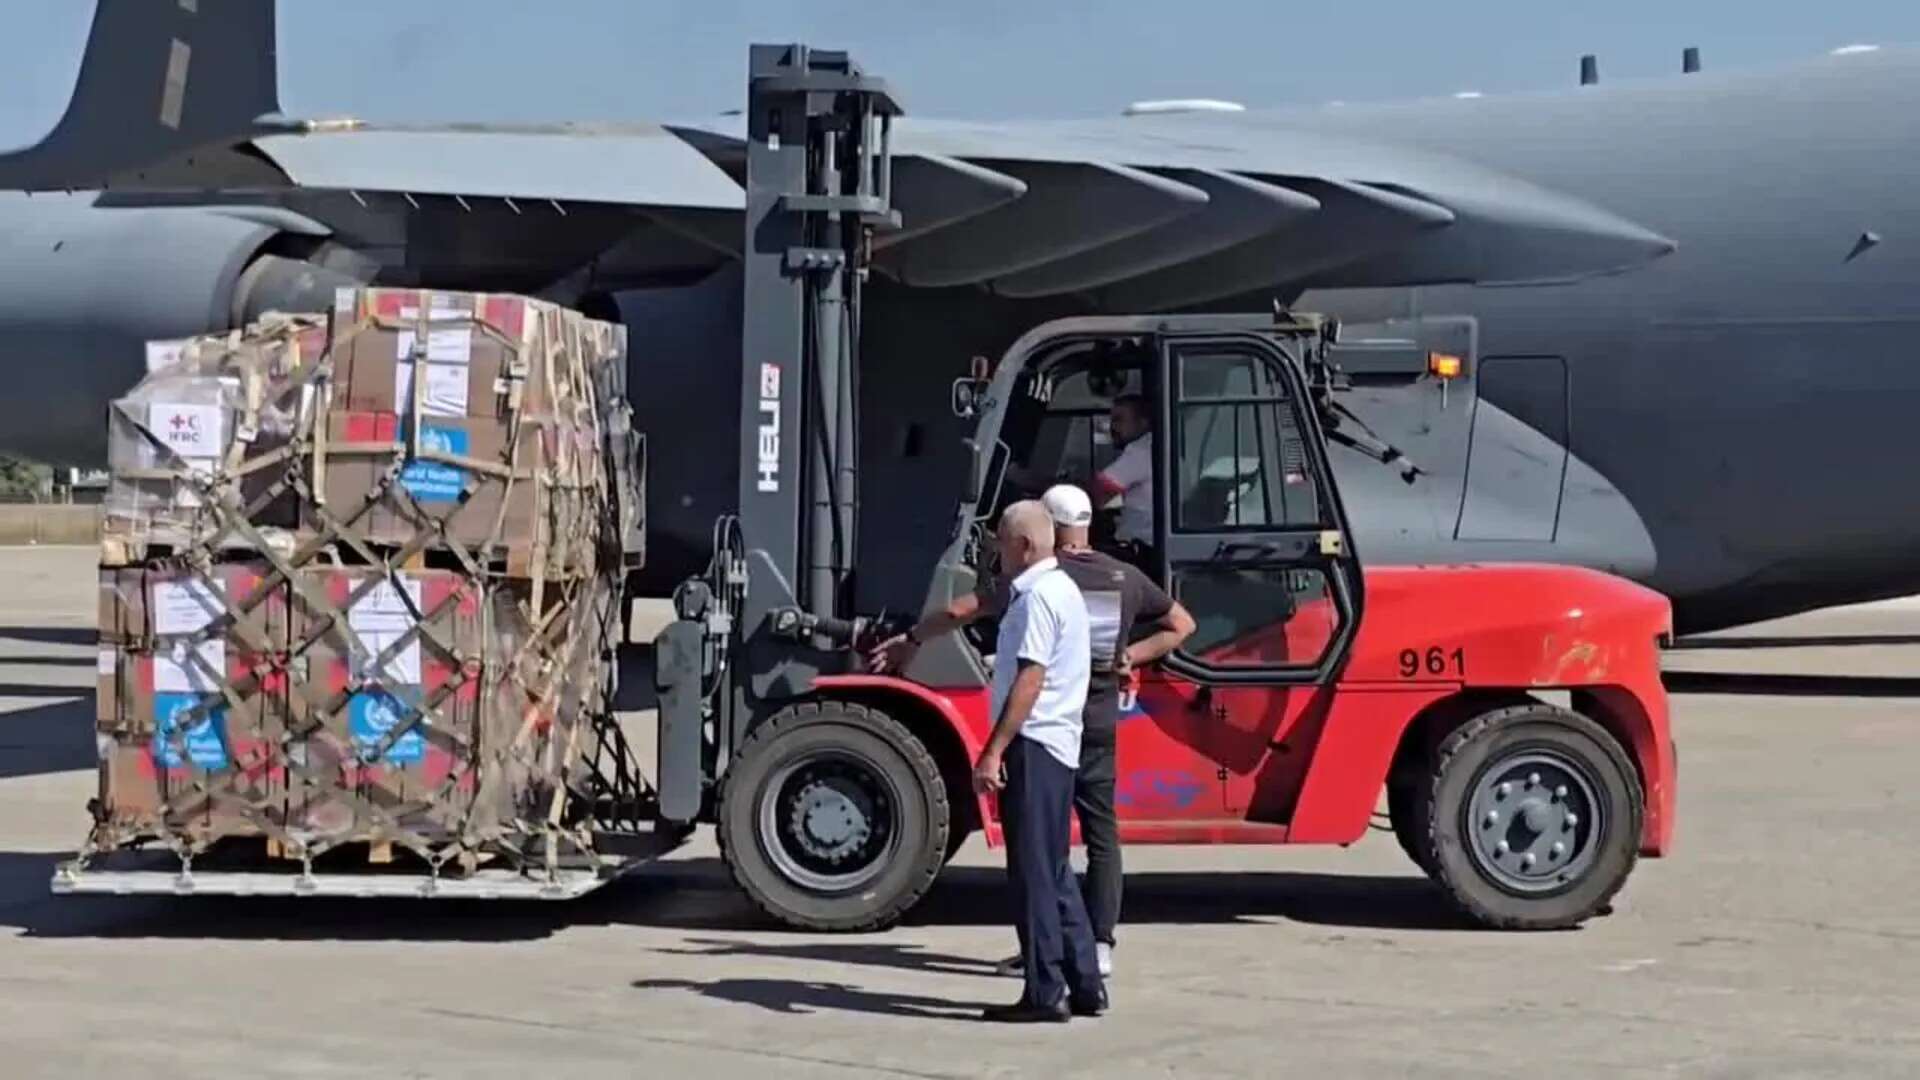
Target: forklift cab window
x=1244, y=498
x=1258, y=616
x=1054, y=431
x=1242, y=463
x=1061, y=438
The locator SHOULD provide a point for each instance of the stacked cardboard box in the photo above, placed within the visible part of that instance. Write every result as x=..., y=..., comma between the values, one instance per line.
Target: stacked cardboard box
x=356, y=579
x=210, y=406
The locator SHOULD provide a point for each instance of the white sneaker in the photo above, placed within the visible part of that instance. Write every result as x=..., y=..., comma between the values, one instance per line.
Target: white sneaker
x=1103, y=954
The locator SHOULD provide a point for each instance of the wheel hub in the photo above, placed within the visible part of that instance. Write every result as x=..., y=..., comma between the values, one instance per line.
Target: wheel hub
x=830, y=823
x=827, y=821
x=1533, y=821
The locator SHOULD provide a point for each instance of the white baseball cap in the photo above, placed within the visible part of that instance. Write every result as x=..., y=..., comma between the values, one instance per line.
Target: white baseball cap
x=1068, y=505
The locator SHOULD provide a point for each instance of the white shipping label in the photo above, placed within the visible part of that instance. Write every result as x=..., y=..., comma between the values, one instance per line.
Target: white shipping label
x=181, y=607
x=453, y=345
x=192, y=431
x=177, y=670
x=446, y=386
x=383, y=609
x=109, y=661
x=164, y=354
x=402, y=669
x=446, y=390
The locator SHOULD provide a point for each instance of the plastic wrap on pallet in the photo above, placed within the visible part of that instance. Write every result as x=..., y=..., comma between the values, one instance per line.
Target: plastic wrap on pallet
x=357, y=595
x=210, y=401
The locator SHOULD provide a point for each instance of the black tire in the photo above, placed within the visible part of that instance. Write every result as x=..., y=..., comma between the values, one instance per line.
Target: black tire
x=1473, y=755
x=956, y=839
x=1407, y=810
x=916, y=821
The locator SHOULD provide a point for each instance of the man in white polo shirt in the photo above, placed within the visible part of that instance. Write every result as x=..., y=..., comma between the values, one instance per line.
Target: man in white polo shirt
x=1041, y=667
x=1129, y=478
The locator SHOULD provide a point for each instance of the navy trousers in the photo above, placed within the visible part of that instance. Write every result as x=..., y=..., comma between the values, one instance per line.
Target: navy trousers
x=1056, y=940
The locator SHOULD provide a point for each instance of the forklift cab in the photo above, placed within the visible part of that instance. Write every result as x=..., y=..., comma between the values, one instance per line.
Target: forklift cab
x=1249, y=532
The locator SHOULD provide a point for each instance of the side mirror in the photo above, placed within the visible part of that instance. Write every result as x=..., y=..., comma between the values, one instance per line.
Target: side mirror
x=966, y=397
x=970, y=391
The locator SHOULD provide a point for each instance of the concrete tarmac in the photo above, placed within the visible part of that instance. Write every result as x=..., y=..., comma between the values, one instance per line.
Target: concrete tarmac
x=1782, y=938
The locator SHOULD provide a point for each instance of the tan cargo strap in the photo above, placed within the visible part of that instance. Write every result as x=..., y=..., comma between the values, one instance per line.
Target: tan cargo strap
x=559, y=617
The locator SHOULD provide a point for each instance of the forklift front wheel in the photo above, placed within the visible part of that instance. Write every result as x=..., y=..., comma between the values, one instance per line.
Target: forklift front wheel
x=1533, y=817
x=834, y=817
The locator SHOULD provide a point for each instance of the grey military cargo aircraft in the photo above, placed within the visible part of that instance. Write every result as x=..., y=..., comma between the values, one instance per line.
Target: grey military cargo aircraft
x=1657, y=327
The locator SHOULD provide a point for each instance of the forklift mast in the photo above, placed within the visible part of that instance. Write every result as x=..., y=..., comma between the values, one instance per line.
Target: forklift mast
x=776, y=603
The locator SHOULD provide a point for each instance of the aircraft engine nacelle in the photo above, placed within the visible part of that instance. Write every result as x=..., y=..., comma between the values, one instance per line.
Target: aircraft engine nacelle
x=84, y=287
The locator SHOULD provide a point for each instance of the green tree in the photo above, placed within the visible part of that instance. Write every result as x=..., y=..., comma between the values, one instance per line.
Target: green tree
x=22, y=479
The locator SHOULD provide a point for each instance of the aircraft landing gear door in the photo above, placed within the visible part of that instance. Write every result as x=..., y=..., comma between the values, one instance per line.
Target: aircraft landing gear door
x=1253, y=542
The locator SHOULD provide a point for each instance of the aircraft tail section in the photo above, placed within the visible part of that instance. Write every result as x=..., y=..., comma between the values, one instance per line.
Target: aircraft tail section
x=160, y=78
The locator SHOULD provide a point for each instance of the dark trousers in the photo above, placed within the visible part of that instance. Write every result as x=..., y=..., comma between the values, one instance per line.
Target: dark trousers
x=1100, y=832
x=1056, y=940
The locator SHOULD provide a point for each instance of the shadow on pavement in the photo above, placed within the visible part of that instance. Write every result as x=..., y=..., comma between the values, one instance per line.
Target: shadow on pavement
x=636, y=691
x=51, y=738
x=1774, y=685
x=698, y=895
x=647, y=898
x=1787, y=641
x=799, y=997
x=899, y=955
x=976, y=896
x=33, y=690
x=55, y=635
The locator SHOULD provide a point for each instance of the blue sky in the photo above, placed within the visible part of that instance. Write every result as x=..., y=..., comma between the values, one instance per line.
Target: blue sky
x=515, y=60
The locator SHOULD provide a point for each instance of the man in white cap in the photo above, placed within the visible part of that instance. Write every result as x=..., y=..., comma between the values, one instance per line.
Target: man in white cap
x=1120, y=601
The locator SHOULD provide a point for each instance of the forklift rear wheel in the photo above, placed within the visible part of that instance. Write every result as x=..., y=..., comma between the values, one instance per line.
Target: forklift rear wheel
x=1533, y=817
x=833, y=816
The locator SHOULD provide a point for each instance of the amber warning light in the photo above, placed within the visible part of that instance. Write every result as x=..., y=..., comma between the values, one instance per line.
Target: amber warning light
x=1445, y=365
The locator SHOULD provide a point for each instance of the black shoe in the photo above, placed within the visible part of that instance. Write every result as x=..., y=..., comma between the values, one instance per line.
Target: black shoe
x=1026, y=1012
x=1090, y=1004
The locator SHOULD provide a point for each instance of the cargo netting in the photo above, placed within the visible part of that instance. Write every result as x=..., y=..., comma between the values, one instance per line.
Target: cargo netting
x=361, y=590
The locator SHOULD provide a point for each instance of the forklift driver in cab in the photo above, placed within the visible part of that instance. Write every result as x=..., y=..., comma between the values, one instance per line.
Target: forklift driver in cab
x=1129, y=479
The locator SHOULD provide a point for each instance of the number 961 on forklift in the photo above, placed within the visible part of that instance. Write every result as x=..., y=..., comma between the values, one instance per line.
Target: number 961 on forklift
x=1512, y=716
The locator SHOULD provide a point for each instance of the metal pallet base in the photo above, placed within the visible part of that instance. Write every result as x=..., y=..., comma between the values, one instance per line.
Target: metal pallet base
x=159, y=874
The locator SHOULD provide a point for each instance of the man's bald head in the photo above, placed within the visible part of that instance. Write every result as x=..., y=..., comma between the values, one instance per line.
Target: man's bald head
x=1026, y=535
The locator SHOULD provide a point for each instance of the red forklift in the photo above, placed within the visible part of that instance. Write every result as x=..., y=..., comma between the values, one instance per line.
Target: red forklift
x=1512, y=715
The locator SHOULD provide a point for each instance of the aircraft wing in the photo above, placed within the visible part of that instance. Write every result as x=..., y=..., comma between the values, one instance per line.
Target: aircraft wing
x=637, y=165
x=1142, y=213
x=1156, y=212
